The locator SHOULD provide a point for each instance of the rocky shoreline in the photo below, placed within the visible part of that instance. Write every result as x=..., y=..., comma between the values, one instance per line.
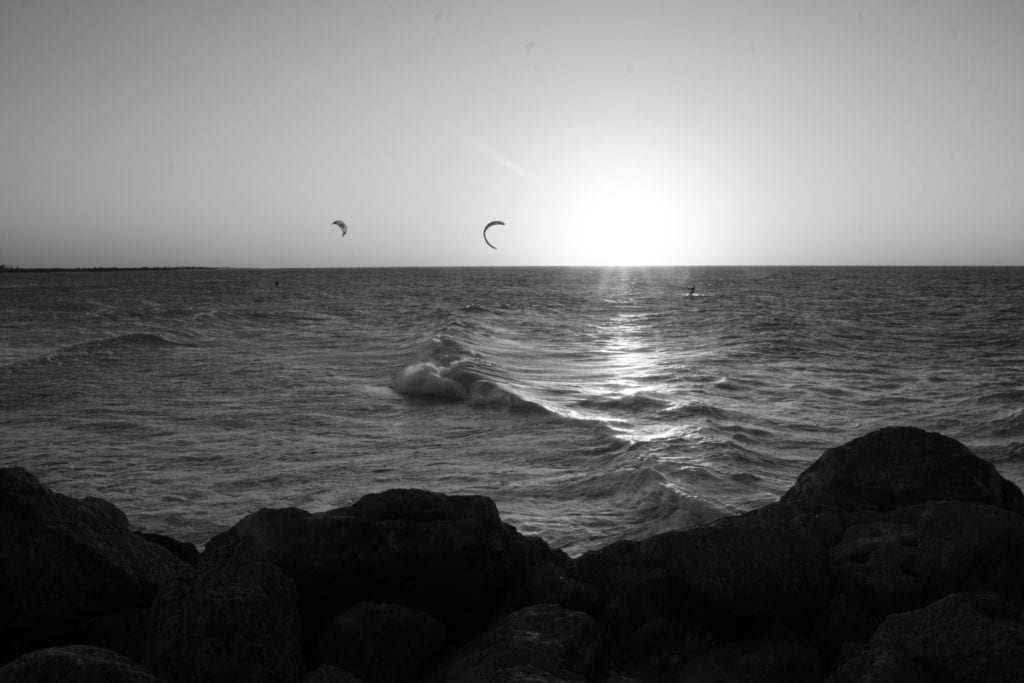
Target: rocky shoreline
x=898, y=556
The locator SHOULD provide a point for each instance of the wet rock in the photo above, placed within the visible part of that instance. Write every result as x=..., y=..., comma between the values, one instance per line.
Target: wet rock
x=78, y=663
x=382, y=643
x=65, y=560
x=962, y=637
x=230, y=616
x=899, y=466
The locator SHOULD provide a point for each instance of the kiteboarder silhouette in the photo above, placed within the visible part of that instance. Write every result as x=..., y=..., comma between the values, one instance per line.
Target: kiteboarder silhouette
x=692, y=290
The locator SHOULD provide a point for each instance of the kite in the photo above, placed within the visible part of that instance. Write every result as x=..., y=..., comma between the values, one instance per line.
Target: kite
x=492, y=223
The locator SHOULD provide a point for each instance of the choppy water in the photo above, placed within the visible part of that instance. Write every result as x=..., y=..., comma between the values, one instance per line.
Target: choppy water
x=590, y=404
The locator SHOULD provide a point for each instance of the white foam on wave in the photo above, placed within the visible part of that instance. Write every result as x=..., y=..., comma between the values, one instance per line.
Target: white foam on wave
x=426, y=378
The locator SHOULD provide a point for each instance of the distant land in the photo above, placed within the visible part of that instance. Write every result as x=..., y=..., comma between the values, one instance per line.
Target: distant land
x=19, y=269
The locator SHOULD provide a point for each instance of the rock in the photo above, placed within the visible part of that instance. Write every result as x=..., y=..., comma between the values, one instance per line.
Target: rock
x=382, y=643
x=540, y=642
x=879, y=665
x=186, y=552
x=550, y=582
x=450, y=556
x=328, y=673
x=540, y=574
x=755, y=567
x=962, y=637
x=123, y=632
x=844, y=620
x=230, y=616
x=634, y=588
x=914, y=555
x=765, y=660
x=899, y=466
x=78, y=663
x=876, y=562
x=618, y=564
x=656, y=650
x=967, y=547
x=66, y=560
x=658, y=595
x=897, y=556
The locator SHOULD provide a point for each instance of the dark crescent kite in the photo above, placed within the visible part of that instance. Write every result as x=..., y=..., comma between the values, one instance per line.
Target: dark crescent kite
x=341, y=224
x=492, y=223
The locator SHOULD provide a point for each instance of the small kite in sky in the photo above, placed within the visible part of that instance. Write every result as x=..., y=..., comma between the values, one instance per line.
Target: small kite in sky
x=341, y=224
x=492, y=223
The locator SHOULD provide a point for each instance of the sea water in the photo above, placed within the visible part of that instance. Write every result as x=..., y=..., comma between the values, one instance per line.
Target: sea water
x=591, y=404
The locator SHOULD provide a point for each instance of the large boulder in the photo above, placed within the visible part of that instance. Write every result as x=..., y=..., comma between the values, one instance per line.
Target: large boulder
x=78, y=663
x=540, y=642
x=382, y=643
x=899, y=466
x=964, y=637
x=65, y=560
x=759, y=567
x=634, y=588
x=449, y=556
x=876, y=564
x=879, y=665
x=231, y=616
x=911, y=556
x=765, y=660
x=967, y=547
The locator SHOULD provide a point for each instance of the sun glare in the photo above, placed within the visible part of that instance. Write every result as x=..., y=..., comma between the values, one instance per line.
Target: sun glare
x=623, y=218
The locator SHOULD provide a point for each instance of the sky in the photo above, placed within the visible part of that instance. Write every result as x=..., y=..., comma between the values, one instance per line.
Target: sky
x=232, y=133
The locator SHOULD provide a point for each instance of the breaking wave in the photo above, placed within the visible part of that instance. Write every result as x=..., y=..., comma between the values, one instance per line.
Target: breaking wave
x=445, y=369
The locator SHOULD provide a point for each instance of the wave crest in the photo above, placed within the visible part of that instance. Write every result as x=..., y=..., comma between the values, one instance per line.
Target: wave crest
x=426, y=378
x=446, y=370
x=107, y=347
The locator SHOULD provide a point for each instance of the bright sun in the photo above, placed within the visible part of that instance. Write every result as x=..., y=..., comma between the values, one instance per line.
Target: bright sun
x=625, y=217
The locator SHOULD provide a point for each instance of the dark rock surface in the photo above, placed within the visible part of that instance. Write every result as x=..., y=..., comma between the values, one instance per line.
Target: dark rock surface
x=546, y=639
x=899, y=466
x=750, y=566
x=64, y=561
x=382, y=643
x=961, y=637
x=766, y=659
x=449, y=556
x=77, y=664
x=898, y=556
x=230, y=616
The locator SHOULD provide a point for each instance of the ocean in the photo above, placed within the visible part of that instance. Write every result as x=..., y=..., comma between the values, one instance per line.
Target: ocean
x=591, y=404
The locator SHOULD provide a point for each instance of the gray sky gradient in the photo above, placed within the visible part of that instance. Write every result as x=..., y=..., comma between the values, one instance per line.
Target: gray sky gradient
x=231, y=133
